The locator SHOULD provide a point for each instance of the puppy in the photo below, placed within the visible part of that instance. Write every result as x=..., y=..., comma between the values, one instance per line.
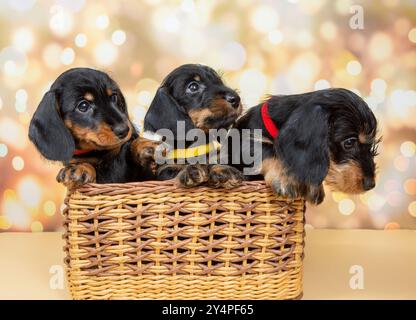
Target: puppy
x=82, y=121
x=196, y=96
x=327, y=135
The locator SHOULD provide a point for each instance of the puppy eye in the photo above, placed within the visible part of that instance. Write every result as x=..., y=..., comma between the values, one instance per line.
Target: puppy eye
x=84, y=106
x=114, y=98
x=193, y=86
x=349, y=143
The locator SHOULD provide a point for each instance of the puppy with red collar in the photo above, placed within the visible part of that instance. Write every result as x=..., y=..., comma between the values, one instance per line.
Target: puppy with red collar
x=83, y=122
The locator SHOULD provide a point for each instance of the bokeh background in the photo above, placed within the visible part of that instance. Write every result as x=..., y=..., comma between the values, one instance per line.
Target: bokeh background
x=261, y=47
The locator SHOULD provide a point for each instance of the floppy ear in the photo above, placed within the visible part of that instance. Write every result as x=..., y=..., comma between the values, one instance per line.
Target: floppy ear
x=164, y=113
x=303, y=144
x=48, y=131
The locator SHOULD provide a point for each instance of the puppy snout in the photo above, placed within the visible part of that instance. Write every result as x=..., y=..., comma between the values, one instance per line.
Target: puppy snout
x=368, y=183
x=121, y=131
x=233, y=99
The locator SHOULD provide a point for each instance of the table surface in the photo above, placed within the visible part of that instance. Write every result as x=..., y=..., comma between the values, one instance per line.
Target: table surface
x=339, y=264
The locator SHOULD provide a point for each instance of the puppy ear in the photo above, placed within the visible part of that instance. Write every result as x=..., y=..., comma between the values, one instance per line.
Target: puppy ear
x=48, y=131
x=303, y=144
x=164, y=113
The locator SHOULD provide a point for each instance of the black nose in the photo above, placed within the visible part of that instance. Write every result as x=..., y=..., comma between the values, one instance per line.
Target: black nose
x=121, y=130
x=233, y=99
x=369, y=183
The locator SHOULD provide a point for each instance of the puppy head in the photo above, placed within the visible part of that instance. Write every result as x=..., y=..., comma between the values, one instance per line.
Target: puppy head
x=330, y=135
x=352, y=143
x=83, y=109
x=195, y=94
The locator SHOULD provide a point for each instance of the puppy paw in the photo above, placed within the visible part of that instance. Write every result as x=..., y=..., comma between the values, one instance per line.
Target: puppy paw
x=285, y=189
x=75, y=175
x=225, y=176
x=315, y=194
x=143, y=151
x=192, y=175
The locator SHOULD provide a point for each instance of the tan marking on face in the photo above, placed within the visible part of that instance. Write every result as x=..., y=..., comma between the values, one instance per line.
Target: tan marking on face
x=219, y=108
x=101, y=138
x=89, y=96
x=364, y=138
x=345, y=177
x=109, y=91
x=197, y=78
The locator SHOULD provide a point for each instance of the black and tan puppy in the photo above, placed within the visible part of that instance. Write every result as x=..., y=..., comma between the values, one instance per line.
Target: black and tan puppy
x=196, y=96
x=82, y=121
x=327, y=135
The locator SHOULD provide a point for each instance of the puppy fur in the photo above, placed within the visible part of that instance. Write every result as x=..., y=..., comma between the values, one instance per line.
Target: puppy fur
x=327, y=135
x=83, y=122
x=196, y=95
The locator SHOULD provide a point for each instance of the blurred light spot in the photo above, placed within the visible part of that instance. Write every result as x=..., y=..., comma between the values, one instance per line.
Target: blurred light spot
x=102, y=21
x=67, y=56
x=4, y=223
x=375, y=202
x=392, y=226
x=36, y=226
x=275, y=36
x=408, y=149
x=304, y=69
x=139, y=112
x=394, y=198
x=13, y=61
x=171, y=24
x=338, y=196
x=410, y=187
x=72, y=5
x=16, y=213
x=3, y=150
x=21, y=99
x=144, y=98
x=24, y=118
x=346, y=207
x=391, y=185
x=328, y=30
x=81, y=40
x=343, y=6
x=252, y=84
x=49, y=208
x=9, y=194
x=105, y=53
x=322, y=84
x=412, y=35
x=21, y=5
x=23, y=39
x=1, y=103
x=52, y=55
x=188, y=5
x=29, y=192
x=380, y=46
x=402, y=101
x=18, y=163
x=401, y=163
x=378, y=87
x=61, y=21
x=412, y=208
x=354, y=68
x=233, y=56
x=264, y=19
x=118, y=37
x=13, y=133
x=308, y=226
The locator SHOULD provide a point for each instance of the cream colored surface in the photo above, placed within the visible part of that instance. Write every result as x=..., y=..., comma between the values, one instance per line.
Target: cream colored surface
x=387, y=258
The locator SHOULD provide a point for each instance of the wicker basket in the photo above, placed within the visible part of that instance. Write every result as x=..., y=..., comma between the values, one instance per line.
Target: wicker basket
x=151, y=240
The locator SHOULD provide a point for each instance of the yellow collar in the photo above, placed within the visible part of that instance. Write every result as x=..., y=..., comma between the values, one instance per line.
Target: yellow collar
x=194, y=151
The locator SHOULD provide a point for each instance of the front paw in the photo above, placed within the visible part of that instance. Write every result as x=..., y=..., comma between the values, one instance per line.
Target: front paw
x=75, y=175
x=143, y=151
x=313, y=194
x=225, y=176
x=192, y=175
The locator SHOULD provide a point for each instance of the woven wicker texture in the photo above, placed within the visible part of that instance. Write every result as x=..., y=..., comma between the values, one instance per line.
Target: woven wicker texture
x=152, y=240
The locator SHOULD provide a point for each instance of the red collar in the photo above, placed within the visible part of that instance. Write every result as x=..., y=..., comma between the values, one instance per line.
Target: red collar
x=268, y=122
x=78, y=152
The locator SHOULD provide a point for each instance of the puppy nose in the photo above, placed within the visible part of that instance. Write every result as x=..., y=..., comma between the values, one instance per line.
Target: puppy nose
x=121, y=131
x=233, y=100
x=369, y=183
